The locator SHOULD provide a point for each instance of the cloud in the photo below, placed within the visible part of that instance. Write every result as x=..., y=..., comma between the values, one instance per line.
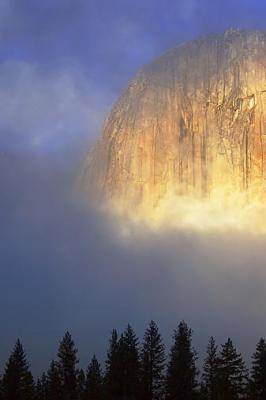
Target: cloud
x=48, y=110
x=64, y=266
x=64, y=64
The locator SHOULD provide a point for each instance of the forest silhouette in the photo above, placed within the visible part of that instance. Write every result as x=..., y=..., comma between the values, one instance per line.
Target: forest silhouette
x=140, y=371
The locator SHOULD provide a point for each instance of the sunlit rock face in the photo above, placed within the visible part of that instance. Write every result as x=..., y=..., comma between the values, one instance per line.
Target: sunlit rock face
x=191, y=126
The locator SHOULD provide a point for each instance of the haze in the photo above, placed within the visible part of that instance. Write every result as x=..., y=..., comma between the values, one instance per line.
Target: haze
x=63, y=267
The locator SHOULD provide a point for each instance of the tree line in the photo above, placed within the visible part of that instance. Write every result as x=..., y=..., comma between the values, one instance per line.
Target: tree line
x=140, y=372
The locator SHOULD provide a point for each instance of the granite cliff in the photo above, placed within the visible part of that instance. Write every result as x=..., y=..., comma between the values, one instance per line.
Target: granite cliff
x=191, y=124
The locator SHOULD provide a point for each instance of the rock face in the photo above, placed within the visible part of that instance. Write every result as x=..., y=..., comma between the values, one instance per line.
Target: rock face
x=190, y=124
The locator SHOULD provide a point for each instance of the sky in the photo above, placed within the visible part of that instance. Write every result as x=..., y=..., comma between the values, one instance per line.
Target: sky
x=62, y=65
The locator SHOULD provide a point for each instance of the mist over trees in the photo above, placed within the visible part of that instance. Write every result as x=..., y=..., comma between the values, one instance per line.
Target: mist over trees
x=137, y=370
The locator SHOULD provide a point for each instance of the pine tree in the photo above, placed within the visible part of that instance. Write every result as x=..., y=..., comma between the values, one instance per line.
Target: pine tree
x=1, y=389
x=232, y=375
x=54, y=390
x=93, y=389
x=130, y=363
x=44, y=384
x=28, y=387
x=39, y=391
x=41, y=388
x=210, y=372
x=257, y=386
x=152, y=364
x=113, y=383
x=81, y=379
x=181, y=381
x=17, y=380
x=67, y=355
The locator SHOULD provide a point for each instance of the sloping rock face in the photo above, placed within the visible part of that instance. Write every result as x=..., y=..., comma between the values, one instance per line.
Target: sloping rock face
x=190, y=124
